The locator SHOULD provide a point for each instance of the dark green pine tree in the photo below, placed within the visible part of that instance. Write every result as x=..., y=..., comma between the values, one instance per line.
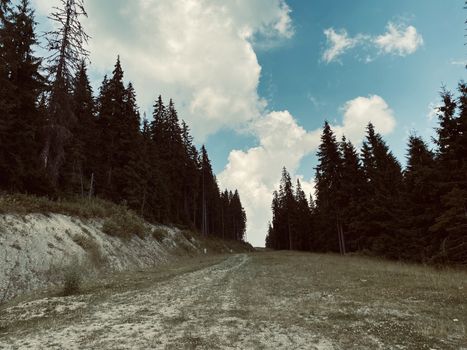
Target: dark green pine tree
x=110, y=124
x=351, y=193
x=226, y=216
x=380, y=215
x=190, y=176
x=209, y=219
x=131, y=163
x=285, y=215
x=419, y=201
x=328, y=194
x=238, y=217
x=21, y=86
x=155, y=195
x=173, y=156
x=303, y=220
x=80, y=160
x=120, y=162
x=272, y=238
x=451, y=167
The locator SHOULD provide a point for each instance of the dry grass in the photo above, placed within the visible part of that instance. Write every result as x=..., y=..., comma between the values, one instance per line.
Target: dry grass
x=80, y=207
x=268, y=300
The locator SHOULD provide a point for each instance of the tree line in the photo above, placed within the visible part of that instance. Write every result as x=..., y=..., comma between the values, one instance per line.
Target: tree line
x=366, y=202
x=57, y=139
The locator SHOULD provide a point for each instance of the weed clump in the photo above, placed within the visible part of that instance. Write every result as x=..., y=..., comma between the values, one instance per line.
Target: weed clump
x=159, y=234
x=91, y=247
x=124, y=224
x=72, y=279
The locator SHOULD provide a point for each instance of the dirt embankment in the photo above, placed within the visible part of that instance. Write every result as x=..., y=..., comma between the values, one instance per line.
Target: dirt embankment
x=36, y=250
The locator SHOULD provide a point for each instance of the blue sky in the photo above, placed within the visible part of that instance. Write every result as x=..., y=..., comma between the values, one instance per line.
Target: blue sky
x=255, y=79
x=296, y=79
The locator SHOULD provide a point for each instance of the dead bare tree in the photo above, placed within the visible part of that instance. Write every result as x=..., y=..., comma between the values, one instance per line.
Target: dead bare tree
x=67, y=47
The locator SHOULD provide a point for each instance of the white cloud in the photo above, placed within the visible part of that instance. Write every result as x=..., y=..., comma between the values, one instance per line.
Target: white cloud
x=199, y=52
x=282, y=142
x=459, y=62
x=256, y=172
x=337, y=44
x=357, y=113
x=399, y=40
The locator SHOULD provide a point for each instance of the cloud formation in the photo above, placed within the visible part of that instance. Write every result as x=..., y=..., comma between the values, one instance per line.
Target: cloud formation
x=282, y=142
x=399, y=39
x=199, y=52
x=338, y=42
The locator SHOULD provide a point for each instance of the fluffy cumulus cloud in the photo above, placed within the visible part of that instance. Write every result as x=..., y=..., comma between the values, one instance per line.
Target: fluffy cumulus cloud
x=282, y=142
x=357, y=113
x=199, y=52
x=256, y=172
x=399, y=39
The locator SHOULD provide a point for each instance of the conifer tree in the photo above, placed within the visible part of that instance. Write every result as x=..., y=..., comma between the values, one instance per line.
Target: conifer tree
x=303, y=223
x=328, y=192
x=190, y=176
x=420, y=202
x=351, y=193
x=380, y=215
x=20, y=120
x=80, y=159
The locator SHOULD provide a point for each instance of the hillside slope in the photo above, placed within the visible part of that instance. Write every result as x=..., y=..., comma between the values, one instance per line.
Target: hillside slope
x=38, y=250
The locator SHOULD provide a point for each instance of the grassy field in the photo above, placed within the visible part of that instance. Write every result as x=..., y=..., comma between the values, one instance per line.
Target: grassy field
x=267, y=300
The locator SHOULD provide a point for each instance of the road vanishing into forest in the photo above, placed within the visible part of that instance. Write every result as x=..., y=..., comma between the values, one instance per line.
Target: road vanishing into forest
x=267, y=300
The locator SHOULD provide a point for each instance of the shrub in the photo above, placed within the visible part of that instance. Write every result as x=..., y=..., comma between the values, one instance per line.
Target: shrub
x=72, y=279
x=91, y=247
x=124, y=225
x=159, y=234
x=188, y=234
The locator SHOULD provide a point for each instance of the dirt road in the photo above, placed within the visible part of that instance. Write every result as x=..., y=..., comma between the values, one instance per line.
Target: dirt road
x=256, y=301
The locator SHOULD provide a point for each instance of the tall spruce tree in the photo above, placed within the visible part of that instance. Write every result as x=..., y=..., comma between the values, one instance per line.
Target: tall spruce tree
x=419, y=201
x=20, y=120
x=303, y=220
x=380, y=215
x=328, y=193
x=80, y=160
x=451, y=167
x=351, y=193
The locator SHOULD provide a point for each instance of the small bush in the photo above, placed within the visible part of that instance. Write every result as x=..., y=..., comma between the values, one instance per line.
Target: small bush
x=91, y=247
x=188, y=234
x=124, y=225
x=159, y=234
x=72, y=279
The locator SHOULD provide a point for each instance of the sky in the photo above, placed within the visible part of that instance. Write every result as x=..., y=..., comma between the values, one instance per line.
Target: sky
x=256, y=79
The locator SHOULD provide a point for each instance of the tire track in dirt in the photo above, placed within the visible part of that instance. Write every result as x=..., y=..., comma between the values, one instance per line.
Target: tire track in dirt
x=159, y=317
